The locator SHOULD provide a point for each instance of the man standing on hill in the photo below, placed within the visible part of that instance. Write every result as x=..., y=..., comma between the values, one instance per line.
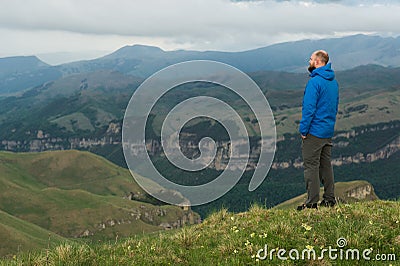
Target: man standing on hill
x=320, y=106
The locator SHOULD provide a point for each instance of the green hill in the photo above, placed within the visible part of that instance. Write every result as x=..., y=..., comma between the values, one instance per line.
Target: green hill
x=349, y=230
x=17, y=234
x=79, y=194
x=68, y=170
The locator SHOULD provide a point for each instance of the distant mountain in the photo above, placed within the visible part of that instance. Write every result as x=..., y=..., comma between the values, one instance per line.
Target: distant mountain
x=346, y=53
x=17, y=74
x=137, y=51
x=22, y=72
x=136, y=60
x=20, y=64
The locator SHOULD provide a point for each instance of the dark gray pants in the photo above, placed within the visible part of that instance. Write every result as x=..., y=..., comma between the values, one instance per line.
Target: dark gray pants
x=318, y=168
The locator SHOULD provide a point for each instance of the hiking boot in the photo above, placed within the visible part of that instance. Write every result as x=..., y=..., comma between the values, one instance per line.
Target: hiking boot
x=307, y=206
x=327, y=203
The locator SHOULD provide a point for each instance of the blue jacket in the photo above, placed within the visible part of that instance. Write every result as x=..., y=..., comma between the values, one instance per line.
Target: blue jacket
x=320, y=103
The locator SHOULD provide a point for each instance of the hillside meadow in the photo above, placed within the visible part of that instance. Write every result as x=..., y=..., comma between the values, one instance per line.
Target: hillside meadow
x=224, y=238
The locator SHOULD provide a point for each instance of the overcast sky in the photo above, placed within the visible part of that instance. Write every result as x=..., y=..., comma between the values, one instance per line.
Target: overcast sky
x=91, y=28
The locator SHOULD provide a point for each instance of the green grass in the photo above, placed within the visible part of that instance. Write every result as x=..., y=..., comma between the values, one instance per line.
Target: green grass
x=66, y=170
x=22, y=235
x=74, y=121
x=226, y=238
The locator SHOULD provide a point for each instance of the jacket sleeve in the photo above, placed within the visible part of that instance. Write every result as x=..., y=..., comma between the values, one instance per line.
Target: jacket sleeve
x=309, y=107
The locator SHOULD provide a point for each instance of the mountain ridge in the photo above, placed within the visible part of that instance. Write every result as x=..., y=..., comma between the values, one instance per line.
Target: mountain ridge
x=142, y=61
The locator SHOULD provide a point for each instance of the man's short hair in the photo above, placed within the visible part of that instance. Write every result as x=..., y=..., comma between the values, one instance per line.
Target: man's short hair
x=323, y=56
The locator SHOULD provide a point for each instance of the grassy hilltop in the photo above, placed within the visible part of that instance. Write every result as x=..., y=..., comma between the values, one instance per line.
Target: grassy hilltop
x=225, y=238
x=345, y=192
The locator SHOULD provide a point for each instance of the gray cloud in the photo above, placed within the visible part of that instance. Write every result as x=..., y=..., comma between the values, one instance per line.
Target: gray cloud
x=72, y=25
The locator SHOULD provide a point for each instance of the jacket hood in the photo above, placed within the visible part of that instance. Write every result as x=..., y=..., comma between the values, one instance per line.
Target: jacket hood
x=325, y=71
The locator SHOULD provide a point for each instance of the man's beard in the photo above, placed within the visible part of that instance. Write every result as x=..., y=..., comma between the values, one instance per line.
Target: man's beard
x=311, y=68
